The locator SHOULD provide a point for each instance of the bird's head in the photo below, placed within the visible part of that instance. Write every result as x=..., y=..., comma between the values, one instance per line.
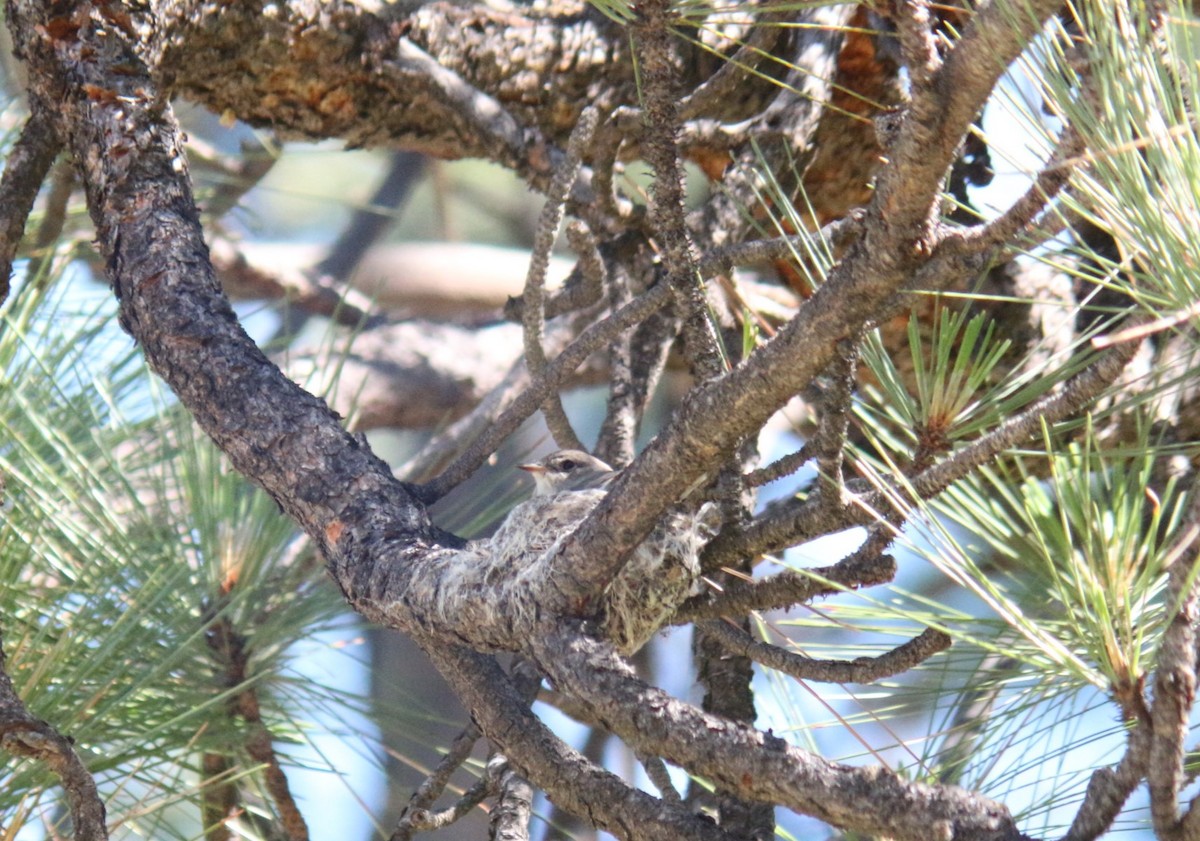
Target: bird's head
x=568, y=470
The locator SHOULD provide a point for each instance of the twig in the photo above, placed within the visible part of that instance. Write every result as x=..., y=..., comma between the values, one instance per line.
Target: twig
x=416, y=816
x=570, y=780
x=236, y=175
x=317, y=295
x=23, y=735
x=726, y=85
x=585, y=284
x=1022, y=214
x=652, y=42
x=776, y=470
x=368, y=224
x=424, y=820
x=834, y=235
x=861, y=670
x=649, y=349
x=362, y=230
x=728, y=692
x=789, y=588
x=622, y=413
x=1175, y=683
x=260, y=748
x=736, y=756
x=1109, y=788
x=54, y=215
x=535, y=281
x=451, y=440
x=229, y=648
x=1150, y=328
x=829, y=443
x=24, y=171
x=486, y=115
x=612, y=133
x=917, y=42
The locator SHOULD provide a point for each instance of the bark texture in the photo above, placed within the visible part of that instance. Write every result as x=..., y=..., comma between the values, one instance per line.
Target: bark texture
x=509, y=84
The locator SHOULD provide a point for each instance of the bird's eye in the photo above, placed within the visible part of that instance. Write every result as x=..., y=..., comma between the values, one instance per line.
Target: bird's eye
x=567, y=465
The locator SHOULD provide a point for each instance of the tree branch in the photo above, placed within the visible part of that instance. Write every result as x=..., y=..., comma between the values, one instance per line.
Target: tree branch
x=569, y=779
x=535, y=282
x=24, y=171
x=761, y=766
x=660, y=117
x=790, y=524
x=860, y=670
x=23, y=735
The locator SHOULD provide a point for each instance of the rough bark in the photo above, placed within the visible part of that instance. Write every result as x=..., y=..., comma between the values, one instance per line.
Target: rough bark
x=102, y=77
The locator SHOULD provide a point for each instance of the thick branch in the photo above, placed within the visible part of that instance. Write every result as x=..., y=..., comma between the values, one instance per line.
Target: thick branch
x=568, y=778
x=761, y=766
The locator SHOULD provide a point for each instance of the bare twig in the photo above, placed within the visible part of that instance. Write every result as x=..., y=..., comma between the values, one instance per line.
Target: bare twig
x=535, y=282
x=424, y=820
x=416, y=816
x=652, y=40
x=790, y=524
x=236, y=175
x=622, y=415
x=829, y=443
x=488, y=116
x=1023, y=214
x=745, y=760
x=229, y=648
x=834, y=236
x=728, y=693
x=725, y=86
x=1175, y=683
x=918, y=44
x=861, y=670
x=23, y=735
x=571, y=781
x=54, y=215
x=24, y=171
x=776, y=470
x=1110, y=788
x=317, y=295
x=451, y=441
x=789, y=588
x=656, y=770
x=612, y=133
x=514, y=805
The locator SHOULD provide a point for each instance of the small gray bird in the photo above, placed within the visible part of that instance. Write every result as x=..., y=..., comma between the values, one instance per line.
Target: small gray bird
x=662, y=571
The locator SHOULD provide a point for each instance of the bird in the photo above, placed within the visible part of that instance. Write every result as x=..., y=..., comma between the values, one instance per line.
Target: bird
x=661, y=572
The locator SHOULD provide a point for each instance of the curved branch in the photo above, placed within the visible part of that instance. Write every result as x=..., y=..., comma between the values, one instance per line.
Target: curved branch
x=23, y=735
x=861, y=670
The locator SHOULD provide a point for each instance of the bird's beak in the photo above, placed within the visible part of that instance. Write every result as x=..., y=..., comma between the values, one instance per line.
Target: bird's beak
x=532, y=468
